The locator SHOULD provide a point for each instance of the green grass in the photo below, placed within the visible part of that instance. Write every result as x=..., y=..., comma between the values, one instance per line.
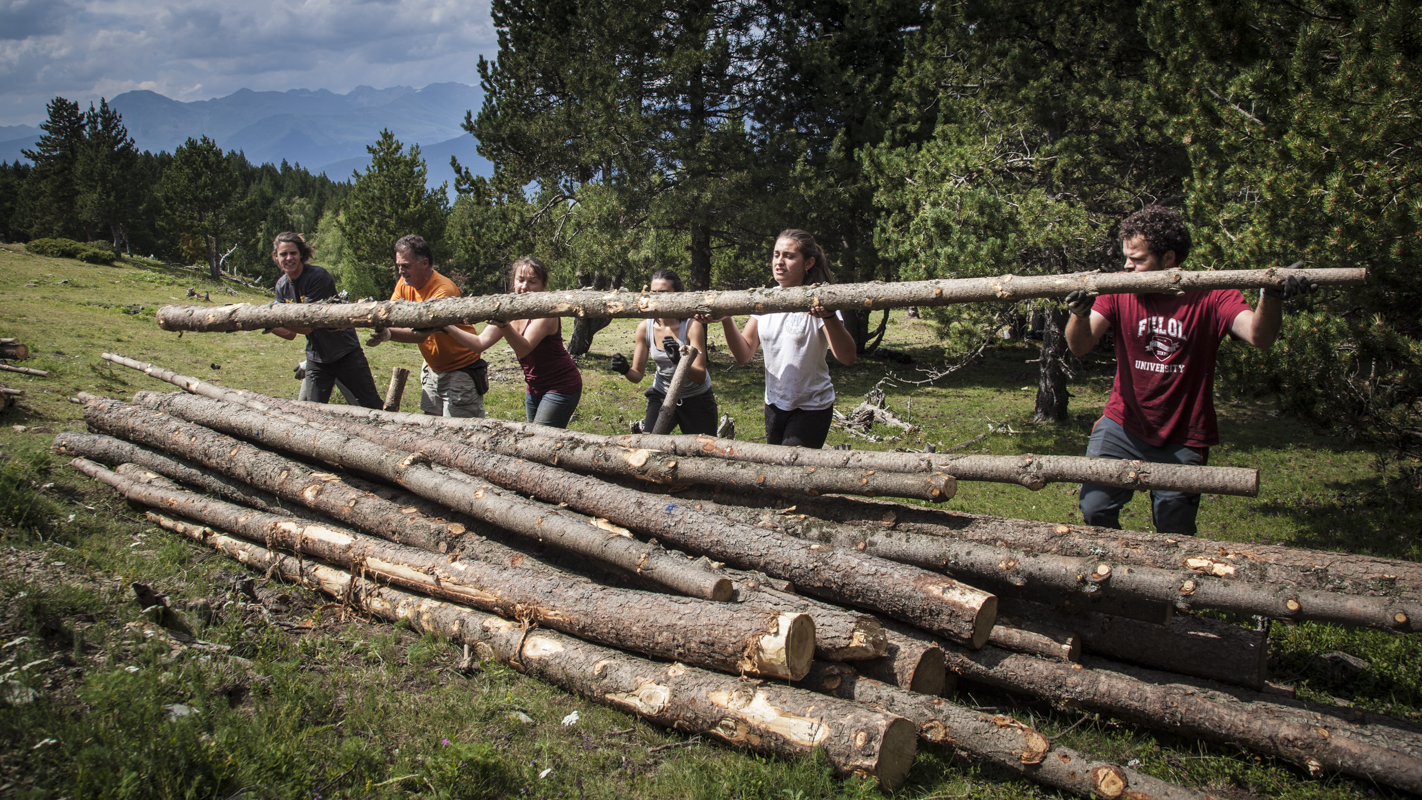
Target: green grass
x=340, y=707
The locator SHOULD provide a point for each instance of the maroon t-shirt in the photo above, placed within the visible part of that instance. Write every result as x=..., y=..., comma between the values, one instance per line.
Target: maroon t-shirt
x=1165, y=362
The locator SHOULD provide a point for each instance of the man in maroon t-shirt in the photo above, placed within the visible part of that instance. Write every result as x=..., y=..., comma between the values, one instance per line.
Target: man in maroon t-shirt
x=1162, y=405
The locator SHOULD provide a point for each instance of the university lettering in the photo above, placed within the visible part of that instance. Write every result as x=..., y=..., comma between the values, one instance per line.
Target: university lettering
x=1151, y=366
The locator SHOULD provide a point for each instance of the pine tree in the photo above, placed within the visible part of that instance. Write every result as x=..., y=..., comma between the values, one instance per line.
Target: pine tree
x=389, y=201
x=50, y=193
x=105, y=172
x=201, y=192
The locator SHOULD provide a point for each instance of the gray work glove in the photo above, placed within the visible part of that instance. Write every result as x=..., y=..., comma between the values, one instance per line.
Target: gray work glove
x=620, y=365
x=1081, y=302
x=378, y=336
x=1294, y=286
x=672, y=348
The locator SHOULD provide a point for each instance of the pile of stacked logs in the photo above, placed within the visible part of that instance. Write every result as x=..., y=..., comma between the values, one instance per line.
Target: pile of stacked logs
x=768, y=597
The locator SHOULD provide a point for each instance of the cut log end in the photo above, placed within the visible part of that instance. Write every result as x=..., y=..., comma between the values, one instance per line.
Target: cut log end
x=930, y=675
x=720, y=590
x=983, y=622
x=896, y=753
x=788, y=652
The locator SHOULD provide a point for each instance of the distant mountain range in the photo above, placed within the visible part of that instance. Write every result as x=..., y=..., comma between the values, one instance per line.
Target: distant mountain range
x=320, y=130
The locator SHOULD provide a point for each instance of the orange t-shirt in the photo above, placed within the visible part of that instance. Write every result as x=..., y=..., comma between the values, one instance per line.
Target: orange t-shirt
x=441, y=352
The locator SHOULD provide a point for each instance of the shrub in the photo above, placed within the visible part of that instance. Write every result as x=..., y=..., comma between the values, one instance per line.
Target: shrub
x=68, y=248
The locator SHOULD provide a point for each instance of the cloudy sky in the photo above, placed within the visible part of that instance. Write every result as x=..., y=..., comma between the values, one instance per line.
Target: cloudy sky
x=199, y=49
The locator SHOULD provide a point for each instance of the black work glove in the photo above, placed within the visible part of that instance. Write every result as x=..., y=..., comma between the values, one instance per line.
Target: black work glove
x=620, y=365
x=1081, y=302
x=672, y=348
x=1294, y=286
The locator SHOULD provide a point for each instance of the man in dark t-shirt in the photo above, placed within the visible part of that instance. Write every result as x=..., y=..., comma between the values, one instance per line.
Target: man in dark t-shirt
x=1162, y=404
x=331, y=355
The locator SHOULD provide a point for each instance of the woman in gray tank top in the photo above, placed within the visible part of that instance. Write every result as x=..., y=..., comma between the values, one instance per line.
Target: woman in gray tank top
x=658, y=338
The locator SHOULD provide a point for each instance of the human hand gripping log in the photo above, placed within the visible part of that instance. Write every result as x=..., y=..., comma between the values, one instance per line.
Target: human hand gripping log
x=835, y=297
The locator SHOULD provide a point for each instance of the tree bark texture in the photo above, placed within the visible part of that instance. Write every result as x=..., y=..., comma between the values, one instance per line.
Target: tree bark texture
x=1318, y=738
x=840, y=635
x=1195, y=646
x=998, y=740
x=1317, y=570
x=14, y=351
x=661, y=468
x=24, y=370
x=721, y=636
x=1006, y=570
x=1031, y=471
x=112, y=451
x=666, y=417
x=396, y=390
x=599, y=455
x=913, y=661
x=1026, y=635
x=934, y=602
x=1051, y=374
x=272, y=473
x=680, y=305
x=763, y=718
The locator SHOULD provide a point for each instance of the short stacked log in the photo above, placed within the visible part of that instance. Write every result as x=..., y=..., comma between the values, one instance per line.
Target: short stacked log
x=762, y=604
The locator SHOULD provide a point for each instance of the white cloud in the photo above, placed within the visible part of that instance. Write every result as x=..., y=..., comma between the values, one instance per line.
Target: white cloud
x=190, y=50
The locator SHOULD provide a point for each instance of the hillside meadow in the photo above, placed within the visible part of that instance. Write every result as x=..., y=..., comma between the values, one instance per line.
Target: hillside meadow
x=98, y=702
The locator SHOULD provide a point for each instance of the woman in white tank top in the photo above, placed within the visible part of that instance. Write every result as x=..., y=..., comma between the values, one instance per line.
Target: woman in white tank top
x=657, y=339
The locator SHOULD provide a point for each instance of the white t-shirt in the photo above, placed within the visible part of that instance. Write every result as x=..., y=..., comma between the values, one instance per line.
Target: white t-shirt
x=796, y=372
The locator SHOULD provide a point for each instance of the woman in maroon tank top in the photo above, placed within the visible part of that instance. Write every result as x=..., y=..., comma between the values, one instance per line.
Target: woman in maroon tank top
x=554, y=383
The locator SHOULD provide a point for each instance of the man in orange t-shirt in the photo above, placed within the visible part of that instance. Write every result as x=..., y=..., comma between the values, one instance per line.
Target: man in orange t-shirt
x=453, y=379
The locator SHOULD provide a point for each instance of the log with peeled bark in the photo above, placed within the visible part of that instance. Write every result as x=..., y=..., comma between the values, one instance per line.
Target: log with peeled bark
x=1318, y=570
x=1190, y=645
x=285, y=479
x=1000, y=569
x=610, y=459
x=1318, y=738
x=761, y=717
x=930, y=601
x=5, y=390
x=998, y=740
x=666, y=417
x=109, y=450
x=396, y=390
x=727, y=637
x=681, y=305
x=840, y=635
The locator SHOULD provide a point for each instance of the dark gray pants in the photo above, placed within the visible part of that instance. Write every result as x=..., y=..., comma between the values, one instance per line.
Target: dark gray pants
x=1172, y=512
x=352, y=370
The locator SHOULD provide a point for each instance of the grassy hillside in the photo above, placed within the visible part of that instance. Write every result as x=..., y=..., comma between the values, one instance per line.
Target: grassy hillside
x=309, y=702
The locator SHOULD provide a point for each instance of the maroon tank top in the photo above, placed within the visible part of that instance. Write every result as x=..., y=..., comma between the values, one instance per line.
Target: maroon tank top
x=549, y=368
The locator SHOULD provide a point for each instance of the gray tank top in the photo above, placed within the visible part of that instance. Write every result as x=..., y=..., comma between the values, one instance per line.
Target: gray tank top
x=665, y=367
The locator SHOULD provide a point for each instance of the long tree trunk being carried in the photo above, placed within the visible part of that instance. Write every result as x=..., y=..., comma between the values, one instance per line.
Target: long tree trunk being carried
x=721, y=636
x=928, y=600
x=271, y=472
x=666, y=417
x=764, y=718
x=1031, y=471
x=680, y=305
x=998, y=740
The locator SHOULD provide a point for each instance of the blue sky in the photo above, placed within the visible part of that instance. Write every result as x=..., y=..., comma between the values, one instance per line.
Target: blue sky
x=189, y=50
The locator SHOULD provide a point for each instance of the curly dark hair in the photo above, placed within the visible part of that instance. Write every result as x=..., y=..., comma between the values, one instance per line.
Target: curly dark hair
x=1162, y=228
x=291, y=237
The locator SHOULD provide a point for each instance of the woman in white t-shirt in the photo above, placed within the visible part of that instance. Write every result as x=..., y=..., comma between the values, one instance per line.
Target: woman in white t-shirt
x=799, y=398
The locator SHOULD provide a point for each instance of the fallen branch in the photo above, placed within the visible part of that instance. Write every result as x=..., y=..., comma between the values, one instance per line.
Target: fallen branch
x=666, y=417
x=681, y=305
x=24, y=370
